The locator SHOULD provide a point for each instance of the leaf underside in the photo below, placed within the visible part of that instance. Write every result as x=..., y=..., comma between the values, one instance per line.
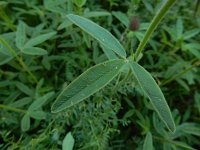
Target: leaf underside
x=87, y=84
x=99, y=33
x=153, y=92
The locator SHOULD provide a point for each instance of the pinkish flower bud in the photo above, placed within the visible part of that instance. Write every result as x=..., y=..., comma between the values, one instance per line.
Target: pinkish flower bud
x=134, y=23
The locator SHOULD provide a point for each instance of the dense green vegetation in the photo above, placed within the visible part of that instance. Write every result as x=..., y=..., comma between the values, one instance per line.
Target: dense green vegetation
x=116, y=104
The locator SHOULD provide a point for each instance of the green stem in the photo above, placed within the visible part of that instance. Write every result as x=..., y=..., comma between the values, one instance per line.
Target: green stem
x=116, y=87
x=12, y=108
x=153, y=25
x=7, y=20
x=19, y=59
x=180, y=74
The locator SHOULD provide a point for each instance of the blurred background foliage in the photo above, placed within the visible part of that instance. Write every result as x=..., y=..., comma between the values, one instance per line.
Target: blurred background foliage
x=41, y=52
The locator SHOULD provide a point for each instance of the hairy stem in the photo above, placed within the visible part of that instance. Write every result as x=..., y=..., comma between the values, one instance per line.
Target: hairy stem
x=7, y=20
x=25, y=67
x=120, y=83
x=156, y=20
x=12, y=108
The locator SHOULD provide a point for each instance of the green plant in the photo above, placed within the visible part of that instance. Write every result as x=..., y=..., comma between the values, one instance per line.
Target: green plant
x=42, y=52
x=98, y=76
